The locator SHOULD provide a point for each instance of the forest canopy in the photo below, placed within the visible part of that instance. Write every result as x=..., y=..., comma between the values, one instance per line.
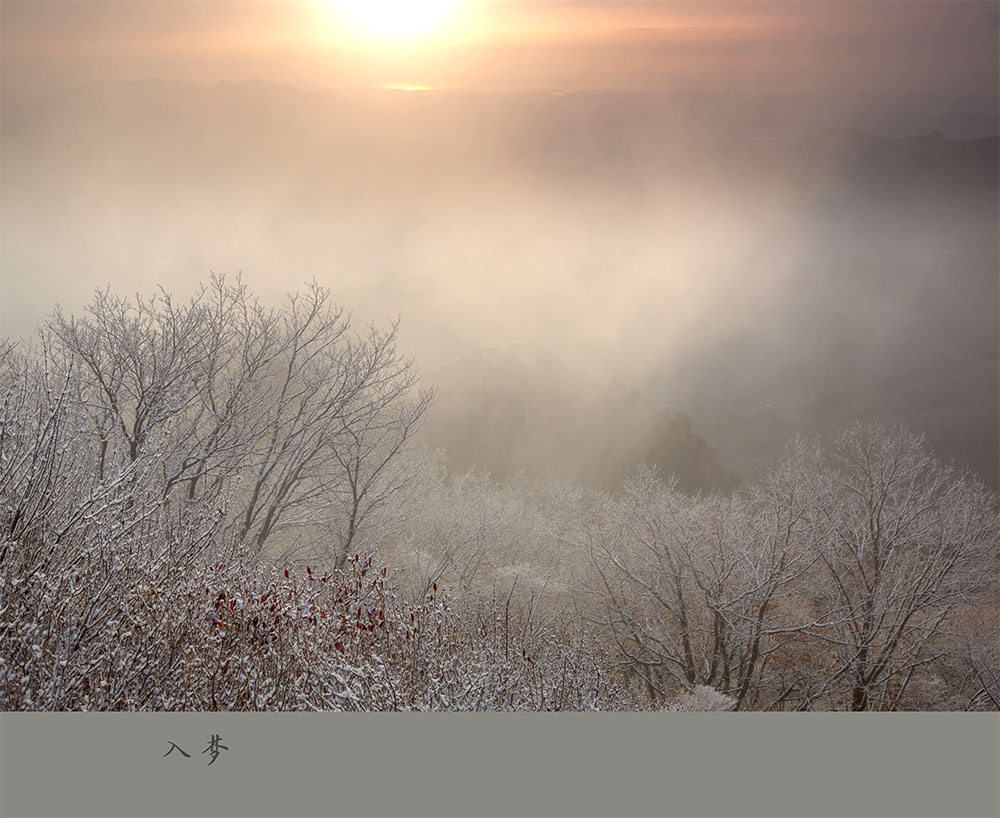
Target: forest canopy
x=220, y=504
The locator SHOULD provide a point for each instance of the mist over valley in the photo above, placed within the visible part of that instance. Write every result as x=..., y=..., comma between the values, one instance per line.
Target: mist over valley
x=759, y=263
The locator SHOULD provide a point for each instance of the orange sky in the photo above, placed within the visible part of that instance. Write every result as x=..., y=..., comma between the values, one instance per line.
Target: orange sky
x=512, y=44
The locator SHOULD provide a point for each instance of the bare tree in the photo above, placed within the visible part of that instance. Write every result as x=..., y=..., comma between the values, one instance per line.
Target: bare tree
x=830, y=582
x=282, y=417
x=339, y=415
x=213, y=443
x=904, y=541
x=141, y=360
x=757, y=545
x=668, y=587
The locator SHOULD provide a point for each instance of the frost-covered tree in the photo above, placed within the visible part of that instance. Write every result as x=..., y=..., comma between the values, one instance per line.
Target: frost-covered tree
x=688, y=587
x=903, y=543
x=287, y=417
x=834, y=581
x=472, y=532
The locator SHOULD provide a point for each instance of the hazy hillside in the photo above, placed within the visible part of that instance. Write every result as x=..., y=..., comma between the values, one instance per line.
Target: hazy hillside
x=498, y=411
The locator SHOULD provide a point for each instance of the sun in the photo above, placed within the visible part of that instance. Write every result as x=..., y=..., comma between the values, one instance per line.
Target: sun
x=397, y=19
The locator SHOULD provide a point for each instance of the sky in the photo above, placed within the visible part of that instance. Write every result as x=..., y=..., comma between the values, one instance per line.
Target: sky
x=896, y=47
x=800, y=220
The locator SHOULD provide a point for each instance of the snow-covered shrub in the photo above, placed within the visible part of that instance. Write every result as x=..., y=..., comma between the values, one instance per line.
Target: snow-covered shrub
x=702, y=698
x=120, y=633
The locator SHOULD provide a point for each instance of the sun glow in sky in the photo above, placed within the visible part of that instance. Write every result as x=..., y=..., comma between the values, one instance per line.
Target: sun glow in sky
x=397, y=19
x=638, y=45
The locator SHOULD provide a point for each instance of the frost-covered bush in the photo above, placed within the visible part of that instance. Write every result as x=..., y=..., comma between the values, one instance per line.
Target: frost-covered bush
x=474, y=533
x=119, y=633
x=702, y=698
